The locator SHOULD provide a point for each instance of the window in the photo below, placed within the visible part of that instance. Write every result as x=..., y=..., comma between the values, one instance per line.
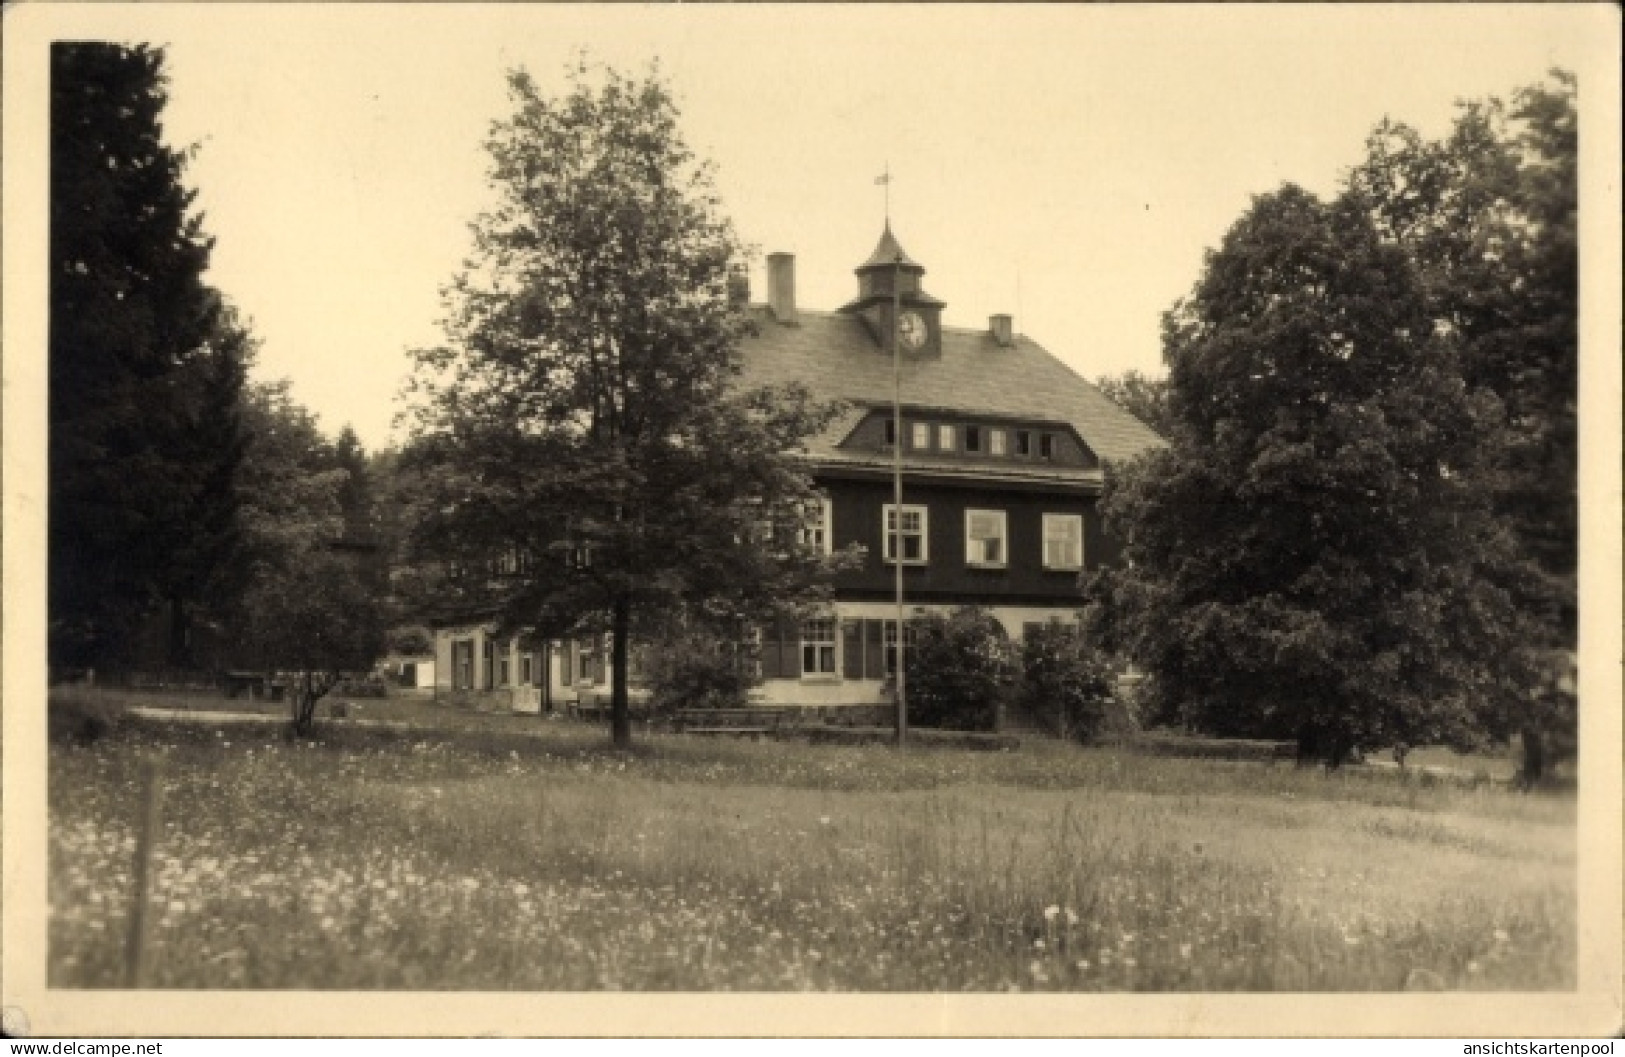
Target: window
x=1063, y=541
x=463, y=651
x=890, y=639
x=920, y=435
x=818, y=533
x=488, y=664
x=1046, y=445
x=995, y=442
x=985, y=537
x=503, y=665
x=945, y=438
x=891, y=431
x=584, y=663
x=817, y=647
x=526, y=670
x=1024, y=442
x=911, y=533
x=973, y=438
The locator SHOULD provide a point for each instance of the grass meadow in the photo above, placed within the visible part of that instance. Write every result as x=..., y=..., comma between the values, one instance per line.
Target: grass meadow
x=493, y=860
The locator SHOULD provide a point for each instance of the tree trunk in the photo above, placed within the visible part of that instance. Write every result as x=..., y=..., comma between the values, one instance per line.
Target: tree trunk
x=1308, y=745
x=620, y=713
x=1534, y=757
x=177, y=648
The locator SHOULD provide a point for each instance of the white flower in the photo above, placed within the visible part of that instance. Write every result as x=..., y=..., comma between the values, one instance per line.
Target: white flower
x=1051, y=912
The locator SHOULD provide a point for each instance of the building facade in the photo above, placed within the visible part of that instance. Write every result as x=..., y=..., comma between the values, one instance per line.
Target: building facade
x=1002, y=450
x=1002, y=447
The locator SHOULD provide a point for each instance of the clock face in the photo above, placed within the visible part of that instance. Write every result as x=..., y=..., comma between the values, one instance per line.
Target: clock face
x=912, y=330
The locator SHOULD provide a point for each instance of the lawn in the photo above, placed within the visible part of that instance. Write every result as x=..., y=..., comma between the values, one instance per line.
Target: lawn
x=485, y=858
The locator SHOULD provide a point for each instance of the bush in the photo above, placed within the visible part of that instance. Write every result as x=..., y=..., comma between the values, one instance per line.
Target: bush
x=82, y=717
x=1068, y=684
x=695, y=668
x=960, y=669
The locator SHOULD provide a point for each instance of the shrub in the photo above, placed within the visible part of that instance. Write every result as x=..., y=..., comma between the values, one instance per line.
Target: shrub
x=960, y=669
x=82, y=717
x=1068, y=684
x=696, y=668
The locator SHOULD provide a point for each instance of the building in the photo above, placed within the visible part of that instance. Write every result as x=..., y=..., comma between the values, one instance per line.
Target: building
x=1003, y=447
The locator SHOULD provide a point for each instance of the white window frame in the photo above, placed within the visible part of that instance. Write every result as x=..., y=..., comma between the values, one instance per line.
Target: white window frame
x=997, y=442
x=975, y=554
x=888, y=643
x=821, y=649
x=1074, y=535
x=919, y=435
x=945, y=437
x=818, y=534
x=889, y=549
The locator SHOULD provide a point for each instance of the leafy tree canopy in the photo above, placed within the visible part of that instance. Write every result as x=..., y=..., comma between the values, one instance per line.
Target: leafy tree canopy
x=1315, y=557
x=310, y=607
x=1144, y=398
x=1488, y=216
x=583, y=454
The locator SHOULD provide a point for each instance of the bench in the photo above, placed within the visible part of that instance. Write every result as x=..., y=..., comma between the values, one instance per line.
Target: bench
x=752, y=721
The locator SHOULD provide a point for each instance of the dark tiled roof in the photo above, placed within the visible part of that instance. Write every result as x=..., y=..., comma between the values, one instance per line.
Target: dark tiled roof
x=834, y=357
x=888, y=251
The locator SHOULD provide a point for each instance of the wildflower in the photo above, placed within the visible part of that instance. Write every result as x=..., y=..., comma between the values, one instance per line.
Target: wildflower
x=1501, y=936
x=1051, y=912
x=1184, y=950
x=823, y=820
x=1039, y=944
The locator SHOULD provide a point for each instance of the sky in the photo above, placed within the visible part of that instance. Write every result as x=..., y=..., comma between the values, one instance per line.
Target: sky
x=1069, y=165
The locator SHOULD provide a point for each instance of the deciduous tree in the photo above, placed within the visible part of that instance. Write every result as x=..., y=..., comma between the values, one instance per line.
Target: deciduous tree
x=1144, y=398
x=583, y=454
x=1314, y=557
x=309, y=609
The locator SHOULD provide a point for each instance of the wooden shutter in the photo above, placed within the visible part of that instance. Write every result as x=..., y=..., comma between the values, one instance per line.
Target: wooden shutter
x=852, y=647
x=874, y=653
x=773, y=651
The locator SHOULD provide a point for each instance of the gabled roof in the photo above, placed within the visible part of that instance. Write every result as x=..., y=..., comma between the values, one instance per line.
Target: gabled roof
x=835, y=358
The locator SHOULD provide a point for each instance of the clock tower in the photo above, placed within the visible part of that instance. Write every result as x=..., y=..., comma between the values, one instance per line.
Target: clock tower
x=888, y=279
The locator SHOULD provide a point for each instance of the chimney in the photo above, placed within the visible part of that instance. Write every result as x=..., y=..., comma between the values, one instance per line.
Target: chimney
x=738, y=286
x=1002, y=330
x=781, y=286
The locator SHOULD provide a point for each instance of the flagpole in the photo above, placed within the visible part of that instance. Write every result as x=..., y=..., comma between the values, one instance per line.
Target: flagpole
x=897, y=494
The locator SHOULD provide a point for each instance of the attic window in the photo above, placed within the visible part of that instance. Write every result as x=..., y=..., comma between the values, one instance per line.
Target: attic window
x=920, y=435
x=1024, y=442
x=973, y=438
x=891, y=432
x=945, y=438
x=1046, y=446
x=995, y=442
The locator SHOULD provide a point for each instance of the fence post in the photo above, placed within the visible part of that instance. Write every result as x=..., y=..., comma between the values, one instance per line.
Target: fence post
x=146, y=841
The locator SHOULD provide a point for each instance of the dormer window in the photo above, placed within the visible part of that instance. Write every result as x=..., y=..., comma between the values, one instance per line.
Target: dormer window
x=973, y=438
x=995, y=442
x=945, y=438
x=891, y=432
x=1024, y=442
x=1046, y=445
x=920, y=435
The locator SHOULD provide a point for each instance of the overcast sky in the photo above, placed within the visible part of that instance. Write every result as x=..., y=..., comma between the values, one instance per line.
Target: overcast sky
x=1067, y=164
